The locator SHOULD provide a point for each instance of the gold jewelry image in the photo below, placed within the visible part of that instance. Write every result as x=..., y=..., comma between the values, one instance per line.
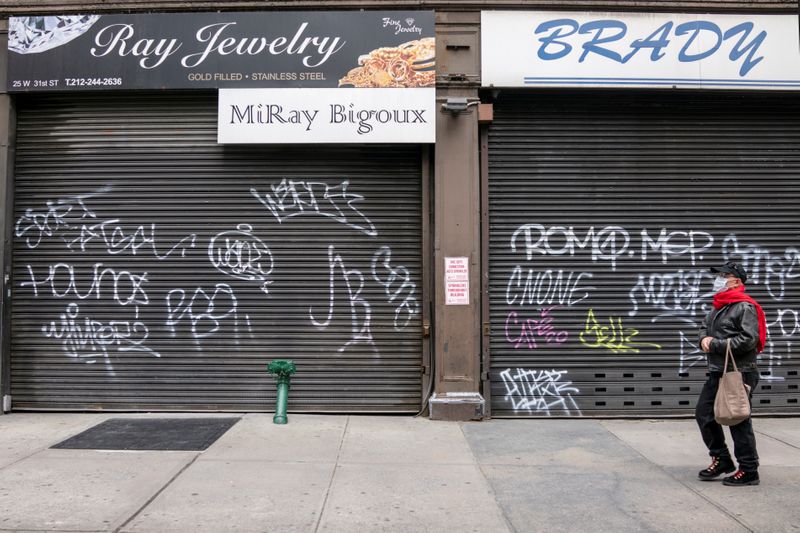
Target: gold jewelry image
x=411, y=64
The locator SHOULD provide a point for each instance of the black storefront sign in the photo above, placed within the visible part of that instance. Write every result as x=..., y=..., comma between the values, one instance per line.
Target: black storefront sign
x=214, y=50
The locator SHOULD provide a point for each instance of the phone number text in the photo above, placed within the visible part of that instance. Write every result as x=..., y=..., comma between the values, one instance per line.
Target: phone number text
x=90, y=82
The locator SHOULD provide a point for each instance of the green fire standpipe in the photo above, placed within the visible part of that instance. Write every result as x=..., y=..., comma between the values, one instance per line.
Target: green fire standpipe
x=283, y=371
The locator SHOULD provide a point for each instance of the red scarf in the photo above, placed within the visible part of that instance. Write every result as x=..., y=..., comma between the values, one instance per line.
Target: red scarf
x=732, y=296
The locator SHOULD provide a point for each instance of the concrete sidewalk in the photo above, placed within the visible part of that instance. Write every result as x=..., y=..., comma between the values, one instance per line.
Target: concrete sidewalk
x=367, y=473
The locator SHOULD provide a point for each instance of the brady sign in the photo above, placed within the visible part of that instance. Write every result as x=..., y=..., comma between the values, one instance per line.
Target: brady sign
x=566, y=49
x=342, y=115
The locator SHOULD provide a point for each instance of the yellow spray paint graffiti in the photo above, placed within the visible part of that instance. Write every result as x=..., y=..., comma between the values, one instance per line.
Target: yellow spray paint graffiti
x=615, y=336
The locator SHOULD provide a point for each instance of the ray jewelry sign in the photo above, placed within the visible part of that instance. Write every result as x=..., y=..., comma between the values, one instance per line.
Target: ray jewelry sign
x=215, y=50
x=573, y=49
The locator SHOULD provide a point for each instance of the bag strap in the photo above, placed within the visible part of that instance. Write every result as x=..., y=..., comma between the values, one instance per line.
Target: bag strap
x=728, y=354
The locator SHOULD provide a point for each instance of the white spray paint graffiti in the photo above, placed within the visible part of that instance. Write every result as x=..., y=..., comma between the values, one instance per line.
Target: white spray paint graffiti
x=782, y=332
x=546, y=288
x=91, y=338
x=764, y=267
x=540, y=391
x=690, y=353
x=682, y=295
x=62, y=281
x=610, y=243
x=35, y=225
x=203, y=312
x=77, y=225
x=117, y=240
x=193, y=312
x=606, y=244
x=360, y=311
x=292, y=198
x=676, y=243
x=396, y=282
x=675, y=294
x=242, y=255
x=787, y=322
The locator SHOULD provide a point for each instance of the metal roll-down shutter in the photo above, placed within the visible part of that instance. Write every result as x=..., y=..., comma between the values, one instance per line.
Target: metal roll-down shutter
x=155, y=269
x=606, y=210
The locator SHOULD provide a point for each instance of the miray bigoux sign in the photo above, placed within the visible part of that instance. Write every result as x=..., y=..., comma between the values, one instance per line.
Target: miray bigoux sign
x=214, y=50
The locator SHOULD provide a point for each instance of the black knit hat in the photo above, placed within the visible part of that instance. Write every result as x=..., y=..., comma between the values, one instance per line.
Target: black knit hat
x=732, y=268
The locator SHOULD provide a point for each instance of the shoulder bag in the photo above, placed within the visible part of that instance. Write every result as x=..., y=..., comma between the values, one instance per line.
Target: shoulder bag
x=732, y=403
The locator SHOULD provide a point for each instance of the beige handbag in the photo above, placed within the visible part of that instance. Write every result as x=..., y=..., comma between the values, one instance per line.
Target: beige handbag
x=732, y=403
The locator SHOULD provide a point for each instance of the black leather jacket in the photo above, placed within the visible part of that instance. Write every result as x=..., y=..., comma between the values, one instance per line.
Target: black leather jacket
x=739, y=323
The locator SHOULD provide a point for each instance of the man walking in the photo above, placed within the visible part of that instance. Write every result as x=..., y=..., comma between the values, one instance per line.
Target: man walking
x=738, y=318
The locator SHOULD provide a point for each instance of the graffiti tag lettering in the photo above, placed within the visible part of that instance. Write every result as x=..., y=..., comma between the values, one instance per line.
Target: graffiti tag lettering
x=396, y=282
x=242, y=255
x=92, y=337
x=546, y=288
x=293, y=198
x=360, y=311
x=540, y=391
x=531, y=328
x=615, y=337
x=203, y=311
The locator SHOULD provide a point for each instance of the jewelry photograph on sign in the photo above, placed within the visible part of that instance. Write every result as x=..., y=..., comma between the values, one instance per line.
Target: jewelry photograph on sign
x=667, y=50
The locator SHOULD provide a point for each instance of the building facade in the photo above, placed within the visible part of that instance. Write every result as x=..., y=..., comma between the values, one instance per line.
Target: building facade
x=534, y=242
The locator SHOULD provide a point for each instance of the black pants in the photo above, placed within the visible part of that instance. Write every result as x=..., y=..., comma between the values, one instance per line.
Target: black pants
x=744, y=440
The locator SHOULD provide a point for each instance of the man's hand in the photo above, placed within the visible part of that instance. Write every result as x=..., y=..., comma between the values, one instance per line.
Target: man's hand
x=705, y=344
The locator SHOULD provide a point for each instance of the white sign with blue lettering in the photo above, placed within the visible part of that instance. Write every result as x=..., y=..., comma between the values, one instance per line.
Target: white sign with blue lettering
x=570, y=49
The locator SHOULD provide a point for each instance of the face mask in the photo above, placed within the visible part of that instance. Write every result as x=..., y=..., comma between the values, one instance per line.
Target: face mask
x=720, y=284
